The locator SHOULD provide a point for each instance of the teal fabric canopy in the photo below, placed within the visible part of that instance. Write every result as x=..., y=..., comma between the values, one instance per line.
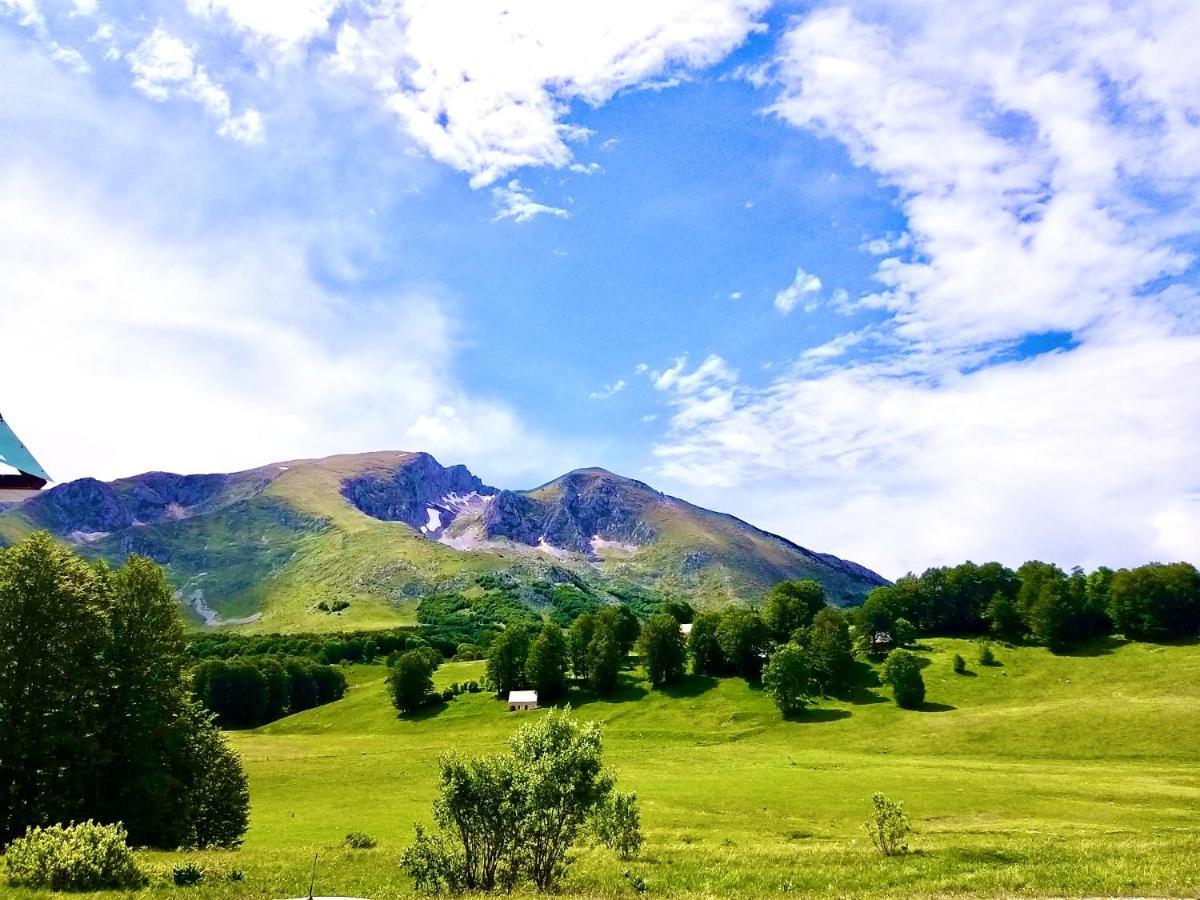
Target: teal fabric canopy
x=14, y=454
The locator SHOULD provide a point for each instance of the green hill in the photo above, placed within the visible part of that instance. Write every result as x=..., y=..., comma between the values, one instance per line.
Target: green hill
x=1044, y=775
x=261, y=549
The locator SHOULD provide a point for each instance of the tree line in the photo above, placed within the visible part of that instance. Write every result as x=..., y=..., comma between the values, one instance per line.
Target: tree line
x=1041, y=602
x=253, y=690
x=95, y=708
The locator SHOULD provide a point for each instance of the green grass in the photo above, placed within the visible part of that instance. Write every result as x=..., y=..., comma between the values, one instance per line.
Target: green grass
x=1044, y=775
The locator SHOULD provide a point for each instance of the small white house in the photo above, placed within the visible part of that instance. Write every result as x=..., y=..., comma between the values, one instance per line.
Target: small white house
x=522, y=700
x=685, y=630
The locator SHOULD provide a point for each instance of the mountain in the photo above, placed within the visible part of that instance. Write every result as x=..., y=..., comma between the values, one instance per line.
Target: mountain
x=378, y=531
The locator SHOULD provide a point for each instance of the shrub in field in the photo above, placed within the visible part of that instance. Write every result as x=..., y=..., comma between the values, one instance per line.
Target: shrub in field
x=359, y=840
x=902, y=670
x=618, y=825
x=187, y=875
x=506, y=817
x=960, y=664
x=986, y=656
x=888, y=826
x=83, y=857
x=433, y=863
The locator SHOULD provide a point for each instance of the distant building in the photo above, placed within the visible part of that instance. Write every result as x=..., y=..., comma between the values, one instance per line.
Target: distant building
x=685, y=629
x=881, y=642
x=522, y=700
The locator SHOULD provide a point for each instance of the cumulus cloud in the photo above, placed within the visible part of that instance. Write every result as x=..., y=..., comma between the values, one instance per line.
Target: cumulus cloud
x=805, y=286
x=1046, y=159
x=493, y=97
x=515, y=201
x=163, y=66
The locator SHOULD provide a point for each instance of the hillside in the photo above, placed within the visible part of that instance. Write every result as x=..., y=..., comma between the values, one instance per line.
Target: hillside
x=1045, y=775
x=262, y=548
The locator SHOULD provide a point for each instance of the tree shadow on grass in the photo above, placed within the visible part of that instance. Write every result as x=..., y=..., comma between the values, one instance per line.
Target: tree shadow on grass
x=861, y=679
x=428, y=711
x=935, y=707
x=967, y=673
x=690, y=686
x=627, y=691
x=813, y=715
x=1098, y=647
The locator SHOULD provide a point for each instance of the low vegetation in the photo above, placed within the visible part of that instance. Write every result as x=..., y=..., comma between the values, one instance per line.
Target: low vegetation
x=83, y=857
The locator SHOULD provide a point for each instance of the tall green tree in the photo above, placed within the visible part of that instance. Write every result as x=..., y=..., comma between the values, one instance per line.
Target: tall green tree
x=703, y=647
x=506, y=660
x=830, y=651
x=411, y=681
x=1156, y=601
x=546, y=664
x=623, y=624
x=743, y=640
x=603, y=661
x=662, y=650
x=790, y=605
x=54, y=632
x=787, y=679
x=94, y=708
x=579, y=635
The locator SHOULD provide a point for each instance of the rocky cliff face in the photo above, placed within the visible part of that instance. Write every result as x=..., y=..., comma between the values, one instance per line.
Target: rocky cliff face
x=571, y=512
x=89, y=507
x=422, y=493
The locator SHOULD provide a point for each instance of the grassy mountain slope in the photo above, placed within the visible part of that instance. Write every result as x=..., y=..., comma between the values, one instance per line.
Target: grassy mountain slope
x=1043, y=776
x=262, y=549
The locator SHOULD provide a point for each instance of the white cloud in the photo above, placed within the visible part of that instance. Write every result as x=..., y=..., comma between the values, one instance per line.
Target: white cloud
x=164, y=66
x=804, y=286
x=217, y=353
x=736, y=295
x=609, y=390
x=591, y=168
x=515, y=201
x=1047, y=158
x=283, y=22
x=485, y=86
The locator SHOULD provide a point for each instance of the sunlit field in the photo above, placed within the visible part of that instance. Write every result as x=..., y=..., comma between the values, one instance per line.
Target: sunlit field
x=1042, y=775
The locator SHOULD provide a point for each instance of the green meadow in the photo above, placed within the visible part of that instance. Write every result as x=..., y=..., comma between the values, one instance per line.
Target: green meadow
x=1064, y=775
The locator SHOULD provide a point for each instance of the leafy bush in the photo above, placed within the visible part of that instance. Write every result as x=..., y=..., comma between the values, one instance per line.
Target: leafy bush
x=187, y=875
x=433, y=864
x=358, y=840
x=83, y=857
x=960, y=664
x=902, y=670
x=888, y=826
x=447, y=695
x=473, y=687
x=618, y=825
x=504, y=817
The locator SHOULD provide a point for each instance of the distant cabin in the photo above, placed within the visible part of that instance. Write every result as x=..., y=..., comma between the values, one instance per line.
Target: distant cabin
x=881, y=641
x=522, y=700
x=685, y=630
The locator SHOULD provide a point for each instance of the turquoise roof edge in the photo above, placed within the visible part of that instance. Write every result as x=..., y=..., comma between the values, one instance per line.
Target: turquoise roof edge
x=15, y=454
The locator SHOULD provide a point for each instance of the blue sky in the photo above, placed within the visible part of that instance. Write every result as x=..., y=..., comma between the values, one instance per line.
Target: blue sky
x=909, y=286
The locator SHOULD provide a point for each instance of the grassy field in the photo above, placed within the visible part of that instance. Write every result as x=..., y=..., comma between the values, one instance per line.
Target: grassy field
x=1044, y=775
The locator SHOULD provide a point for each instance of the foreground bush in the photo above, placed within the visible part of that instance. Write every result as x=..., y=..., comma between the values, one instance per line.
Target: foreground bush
x=503, y=818
x=888, y=826
x=618, y=825
x=83, y=857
